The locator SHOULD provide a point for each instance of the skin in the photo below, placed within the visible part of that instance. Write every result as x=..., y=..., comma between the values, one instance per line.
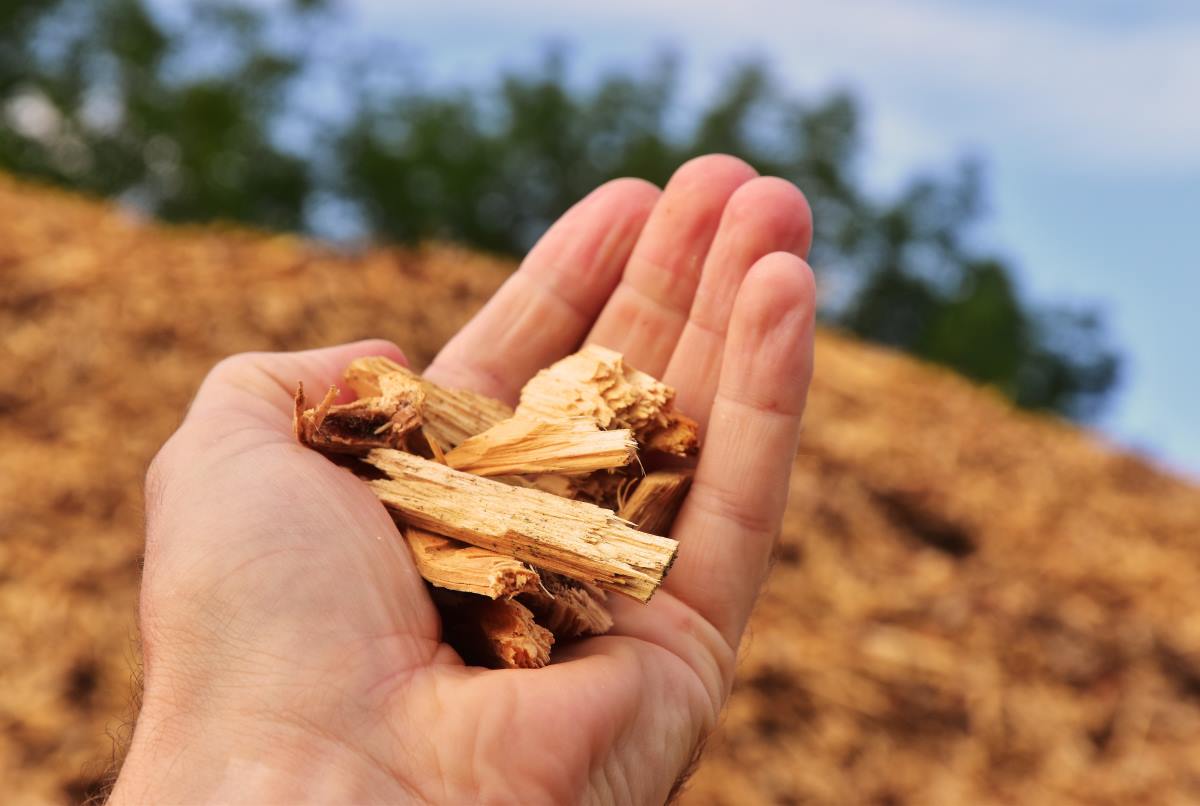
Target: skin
x=291, y=651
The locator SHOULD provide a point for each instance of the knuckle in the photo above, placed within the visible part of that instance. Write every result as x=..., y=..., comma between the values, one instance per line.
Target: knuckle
x=159, y=475
x=385, y=347
x=770, y=194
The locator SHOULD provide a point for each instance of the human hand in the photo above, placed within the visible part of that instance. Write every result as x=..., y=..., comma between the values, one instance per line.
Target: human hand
x=291, y=651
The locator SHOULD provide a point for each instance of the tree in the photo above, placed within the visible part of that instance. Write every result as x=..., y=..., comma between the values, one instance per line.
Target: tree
x=104, y=97
x=98, y=97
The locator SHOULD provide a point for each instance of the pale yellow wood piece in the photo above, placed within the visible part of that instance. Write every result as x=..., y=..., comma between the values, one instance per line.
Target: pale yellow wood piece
x=454, y=565
x=450, y=415
x=596, y=383
x=652, y=505
x=518, y=446
x=573, y=538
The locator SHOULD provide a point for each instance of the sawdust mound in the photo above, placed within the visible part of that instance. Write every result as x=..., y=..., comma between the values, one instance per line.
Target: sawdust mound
x=970, y=604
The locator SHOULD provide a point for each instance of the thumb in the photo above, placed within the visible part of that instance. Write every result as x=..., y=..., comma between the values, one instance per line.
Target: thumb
x=262, y=384
x=235, y=508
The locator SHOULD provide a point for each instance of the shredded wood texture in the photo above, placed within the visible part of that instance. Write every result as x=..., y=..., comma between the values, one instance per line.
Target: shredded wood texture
x=562, y=605
x=596, y=383
x=569, y=608
x=655, y=501
x=520, y=446
x=574, y=538
x=450, y=416
x=493, y=632
x=513, y=636
x=454, y=565
x=601, y=488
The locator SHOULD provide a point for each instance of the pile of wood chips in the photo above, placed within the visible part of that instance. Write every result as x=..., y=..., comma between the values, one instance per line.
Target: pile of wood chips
x=969, y=604
x=522, y=520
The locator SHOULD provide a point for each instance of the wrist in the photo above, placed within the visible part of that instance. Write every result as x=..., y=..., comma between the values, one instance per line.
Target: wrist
x=207, y=755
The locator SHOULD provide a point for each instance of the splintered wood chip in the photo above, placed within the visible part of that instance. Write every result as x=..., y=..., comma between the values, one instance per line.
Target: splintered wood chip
x=454, y=565
x=597, y=384
x=652, y=505
x=574, y=538
x=519, y=446
x=450, y=415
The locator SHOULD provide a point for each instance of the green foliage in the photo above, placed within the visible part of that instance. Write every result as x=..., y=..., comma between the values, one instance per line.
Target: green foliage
x=95, y=100
x=183, y=119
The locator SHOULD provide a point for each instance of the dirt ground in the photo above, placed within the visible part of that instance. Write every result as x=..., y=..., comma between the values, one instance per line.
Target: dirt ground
x=970, y=604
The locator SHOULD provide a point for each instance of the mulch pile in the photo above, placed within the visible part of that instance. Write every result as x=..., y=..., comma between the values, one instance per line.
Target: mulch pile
x=970, y=604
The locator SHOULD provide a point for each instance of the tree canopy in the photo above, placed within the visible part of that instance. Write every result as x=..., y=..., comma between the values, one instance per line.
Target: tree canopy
x=196, y=118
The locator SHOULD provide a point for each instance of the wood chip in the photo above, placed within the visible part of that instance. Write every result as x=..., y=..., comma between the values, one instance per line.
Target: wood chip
x=569, y=608
x=596, y=383
x=455, y=565
x=519, y=446
x=500, y=633
x=652, y=505
x=573, y=538
x=450, y=415
x=382, y=420
x=602, y=488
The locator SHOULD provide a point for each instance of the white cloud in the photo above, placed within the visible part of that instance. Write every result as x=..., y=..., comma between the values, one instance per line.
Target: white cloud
x=1121, y=100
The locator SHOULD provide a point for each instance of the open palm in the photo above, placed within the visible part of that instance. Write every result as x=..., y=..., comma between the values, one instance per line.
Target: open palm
x=291, y=650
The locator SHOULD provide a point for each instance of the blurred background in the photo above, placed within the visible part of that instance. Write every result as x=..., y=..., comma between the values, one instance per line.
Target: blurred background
x=973, y=601
x=1003, y=188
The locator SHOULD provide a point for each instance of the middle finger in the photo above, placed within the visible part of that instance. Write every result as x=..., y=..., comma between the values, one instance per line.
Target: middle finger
x=764, y=215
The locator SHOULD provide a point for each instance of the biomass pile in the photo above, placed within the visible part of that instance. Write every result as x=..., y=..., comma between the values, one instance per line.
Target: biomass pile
x=969, y=605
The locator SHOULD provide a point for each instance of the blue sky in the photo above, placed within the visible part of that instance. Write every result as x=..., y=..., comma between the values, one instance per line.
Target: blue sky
x=1086, y=113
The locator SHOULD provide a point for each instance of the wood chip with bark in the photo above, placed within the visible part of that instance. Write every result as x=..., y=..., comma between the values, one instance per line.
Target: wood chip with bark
x=569, y=608
x=382, y=420
x=451, y=415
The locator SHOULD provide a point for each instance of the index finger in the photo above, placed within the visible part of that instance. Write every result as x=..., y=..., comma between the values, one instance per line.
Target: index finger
x=262, y=384
x=543, y=311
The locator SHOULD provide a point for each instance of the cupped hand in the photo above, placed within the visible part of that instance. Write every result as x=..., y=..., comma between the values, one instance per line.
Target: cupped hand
x=291, y=652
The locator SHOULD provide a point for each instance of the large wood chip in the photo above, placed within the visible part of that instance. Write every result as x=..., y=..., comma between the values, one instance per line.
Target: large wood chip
x=596, y=383
x=382, y=420
x=450, y=415
x=519, y=446
x=574, y=538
